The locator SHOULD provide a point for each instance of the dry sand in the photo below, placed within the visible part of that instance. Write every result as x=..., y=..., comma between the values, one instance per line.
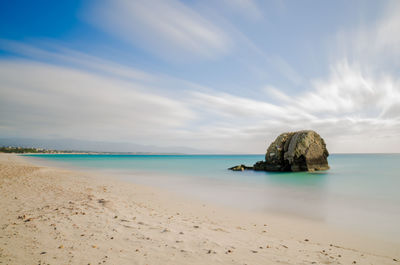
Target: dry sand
x=55, y=216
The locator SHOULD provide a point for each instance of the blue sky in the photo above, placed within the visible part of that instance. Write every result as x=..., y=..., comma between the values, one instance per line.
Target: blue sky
x=226, y=75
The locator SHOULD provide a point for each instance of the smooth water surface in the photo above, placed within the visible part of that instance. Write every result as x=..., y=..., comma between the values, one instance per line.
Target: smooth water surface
x=360, y=191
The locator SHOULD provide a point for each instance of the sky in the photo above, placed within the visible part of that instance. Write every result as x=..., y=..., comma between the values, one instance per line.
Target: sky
x=222, y=76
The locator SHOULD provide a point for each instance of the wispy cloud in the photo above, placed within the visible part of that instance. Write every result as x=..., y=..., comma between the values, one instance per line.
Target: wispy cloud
x=53, y=100
x=248, y=8
x=372, y=42
x=357, y=111
x=167, y=28
x=178, y=32
x=350, y=91
x=56, y=53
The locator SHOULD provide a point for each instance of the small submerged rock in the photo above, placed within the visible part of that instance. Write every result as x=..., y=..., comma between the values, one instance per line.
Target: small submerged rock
x=240, y=168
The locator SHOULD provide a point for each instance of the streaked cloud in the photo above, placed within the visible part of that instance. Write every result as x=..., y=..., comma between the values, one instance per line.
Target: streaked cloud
x=168, y=28
x=57, y=53
x=248, y=8
x=53, y=100
x=348, y=91
x=373, y=44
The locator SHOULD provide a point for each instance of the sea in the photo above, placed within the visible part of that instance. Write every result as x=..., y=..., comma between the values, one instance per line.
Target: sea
x=359, y=191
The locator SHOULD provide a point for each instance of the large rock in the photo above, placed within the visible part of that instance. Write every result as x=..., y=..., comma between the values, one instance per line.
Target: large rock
x=296, y=151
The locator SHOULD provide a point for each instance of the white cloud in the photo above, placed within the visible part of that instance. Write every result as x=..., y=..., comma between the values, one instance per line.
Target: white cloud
x=78, y=59
x=373, y=44
x=349, y=106
x=178, y=32
x=384, y=37
x=388, y=31
x=235, y=107
x=165, y=27
x=53, y=100
x=349, y=90
x=276, y=93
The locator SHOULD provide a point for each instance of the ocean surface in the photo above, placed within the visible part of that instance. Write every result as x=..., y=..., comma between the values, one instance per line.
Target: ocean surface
x=360, y=191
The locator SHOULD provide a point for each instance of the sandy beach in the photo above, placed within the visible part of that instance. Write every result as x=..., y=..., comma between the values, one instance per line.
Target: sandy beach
x=57, y=216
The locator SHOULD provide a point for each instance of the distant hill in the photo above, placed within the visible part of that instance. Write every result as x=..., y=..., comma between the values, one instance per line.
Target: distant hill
x=97, y=146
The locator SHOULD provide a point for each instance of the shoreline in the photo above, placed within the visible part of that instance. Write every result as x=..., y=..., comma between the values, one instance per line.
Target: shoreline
x=51, y=215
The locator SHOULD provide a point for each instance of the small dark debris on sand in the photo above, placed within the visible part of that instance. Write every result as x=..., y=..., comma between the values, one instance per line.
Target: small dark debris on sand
x=102, y=201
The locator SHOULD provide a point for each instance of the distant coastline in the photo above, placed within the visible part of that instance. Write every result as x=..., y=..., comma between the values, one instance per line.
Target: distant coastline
x=34, y=151
x=28, y=150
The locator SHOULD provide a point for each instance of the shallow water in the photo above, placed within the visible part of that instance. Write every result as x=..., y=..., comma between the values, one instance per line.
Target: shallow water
x=360, y=191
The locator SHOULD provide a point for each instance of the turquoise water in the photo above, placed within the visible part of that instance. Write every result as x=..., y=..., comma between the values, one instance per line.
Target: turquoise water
x=360, y=191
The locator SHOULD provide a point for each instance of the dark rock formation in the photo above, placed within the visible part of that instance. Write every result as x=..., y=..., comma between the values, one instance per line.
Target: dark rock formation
x=240, y=168
x=260, y=166
x=295, y=151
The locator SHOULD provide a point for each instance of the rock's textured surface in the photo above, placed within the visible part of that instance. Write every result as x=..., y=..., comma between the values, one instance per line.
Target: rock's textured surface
x=296, y=151
x=259, y=166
